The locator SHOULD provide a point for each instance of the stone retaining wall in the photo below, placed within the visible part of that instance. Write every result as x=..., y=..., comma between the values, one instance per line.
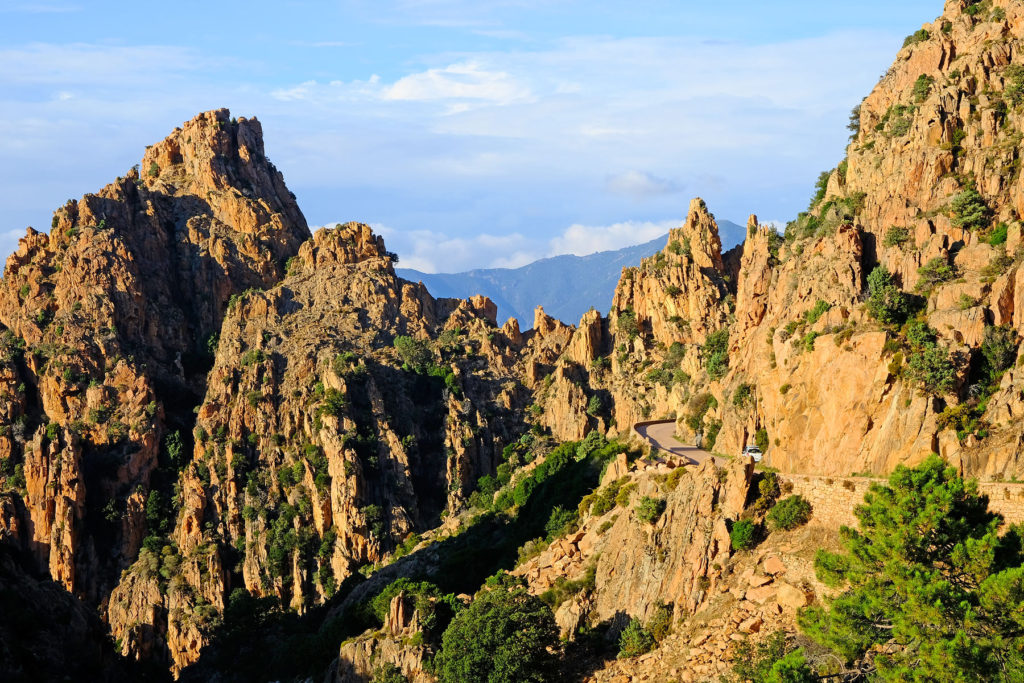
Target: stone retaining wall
x=834, y=498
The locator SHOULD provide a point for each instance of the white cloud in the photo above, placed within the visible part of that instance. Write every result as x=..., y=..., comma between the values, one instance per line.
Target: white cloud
x=462, y=81
x=589, y=239
x=435, y=252
x=640, y=185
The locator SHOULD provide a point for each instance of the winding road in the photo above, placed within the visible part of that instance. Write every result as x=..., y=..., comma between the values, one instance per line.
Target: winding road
x=661, y=436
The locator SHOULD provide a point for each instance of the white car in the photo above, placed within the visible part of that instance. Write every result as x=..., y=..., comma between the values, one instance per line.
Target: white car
x=752, y=451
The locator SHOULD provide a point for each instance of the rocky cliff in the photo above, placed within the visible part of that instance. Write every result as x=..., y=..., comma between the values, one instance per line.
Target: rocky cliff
x=206, y=408
x=780, y=341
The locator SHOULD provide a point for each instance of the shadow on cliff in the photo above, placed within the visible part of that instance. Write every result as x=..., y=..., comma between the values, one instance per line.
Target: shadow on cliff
x=257, y=640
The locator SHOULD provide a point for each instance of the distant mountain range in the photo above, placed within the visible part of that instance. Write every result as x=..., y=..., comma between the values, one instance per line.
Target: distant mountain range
x=567, y=286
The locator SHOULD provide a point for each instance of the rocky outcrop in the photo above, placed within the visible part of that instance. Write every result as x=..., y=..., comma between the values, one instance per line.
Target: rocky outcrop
x=641, y=565
x=108, y=319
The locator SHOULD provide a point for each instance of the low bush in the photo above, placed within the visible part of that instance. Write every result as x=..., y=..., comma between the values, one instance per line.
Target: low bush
x=635, y=640
x=649, y=509
x=743, y=534
x=789, y=513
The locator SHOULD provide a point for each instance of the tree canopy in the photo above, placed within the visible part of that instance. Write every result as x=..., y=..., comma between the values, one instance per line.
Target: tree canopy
x=933, y=590
x=502, y=637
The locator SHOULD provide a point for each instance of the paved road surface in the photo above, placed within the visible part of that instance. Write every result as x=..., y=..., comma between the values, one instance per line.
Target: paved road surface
x=661, y=435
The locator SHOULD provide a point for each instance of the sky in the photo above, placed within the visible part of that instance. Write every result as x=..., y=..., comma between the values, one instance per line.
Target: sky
x=469, y=133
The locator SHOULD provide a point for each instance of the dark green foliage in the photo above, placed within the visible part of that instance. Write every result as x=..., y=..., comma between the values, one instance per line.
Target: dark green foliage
x=388, y=673
x=820, y=308
x=435, y=608
x=927, y=362
x=252, y=357
x=771, y=661
x=595, y=406
x=741, y=397
x=561, y=522
x=897, y=121
x=1014, y=76
x=922, y=87
x=820, y=189
x=711, y=434
x=930, y=579
x=769, y=490
x=854, y=125
x=896, y=236
x=998, y=235
x=626, y=324
x=502, y=637
x=789, y=513
x=761, y=439
x=999, y=349
x=916, y=37
x=970, y=210
x=415, y=353
x=374, y=516
x=635, y=640
x=743, y=534
x=886, y=301
x=563, y=589
x=936, y=272
x=715, y=353
x=649, y=509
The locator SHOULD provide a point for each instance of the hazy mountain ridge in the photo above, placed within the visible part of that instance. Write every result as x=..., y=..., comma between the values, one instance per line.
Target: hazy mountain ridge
x=567, y=286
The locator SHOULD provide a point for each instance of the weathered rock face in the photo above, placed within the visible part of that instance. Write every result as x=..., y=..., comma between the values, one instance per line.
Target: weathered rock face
x=639, y=566
x=315, y=451
x=804, y=368
x=109, y=317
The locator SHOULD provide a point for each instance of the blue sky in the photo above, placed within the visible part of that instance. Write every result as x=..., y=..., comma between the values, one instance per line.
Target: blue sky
x=471, y=134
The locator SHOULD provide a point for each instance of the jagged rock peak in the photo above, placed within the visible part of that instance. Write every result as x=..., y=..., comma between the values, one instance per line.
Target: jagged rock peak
x=699, y=236
x=344, y=244
x=215, y=153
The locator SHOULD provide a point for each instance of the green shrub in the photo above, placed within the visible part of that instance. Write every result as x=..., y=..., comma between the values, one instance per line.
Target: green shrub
x=741, y=397
x=715, y=352
x=998, y=234
x=771, y=661
x=790, y=513
x=761, y=439
x=635, y=640
x=927, y=362
x=970, y=210
x=936, y=272
x=626, y=323
x=649, y=509
x=504, y=636
x=999, y=349
x=711, y=434
x=388, y=673
x=896, y=236
x=886, y=301
x=1014, y=91
x=560, y=522
x=743, y=534
x=415, y=353
x=922, y=87
x=820, y=308
x=916, y=37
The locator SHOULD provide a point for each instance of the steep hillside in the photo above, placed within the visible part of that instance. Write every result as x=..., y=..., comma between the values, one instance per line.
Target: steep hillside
x=226, y=439
x=883, y=325
x=566, y=286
